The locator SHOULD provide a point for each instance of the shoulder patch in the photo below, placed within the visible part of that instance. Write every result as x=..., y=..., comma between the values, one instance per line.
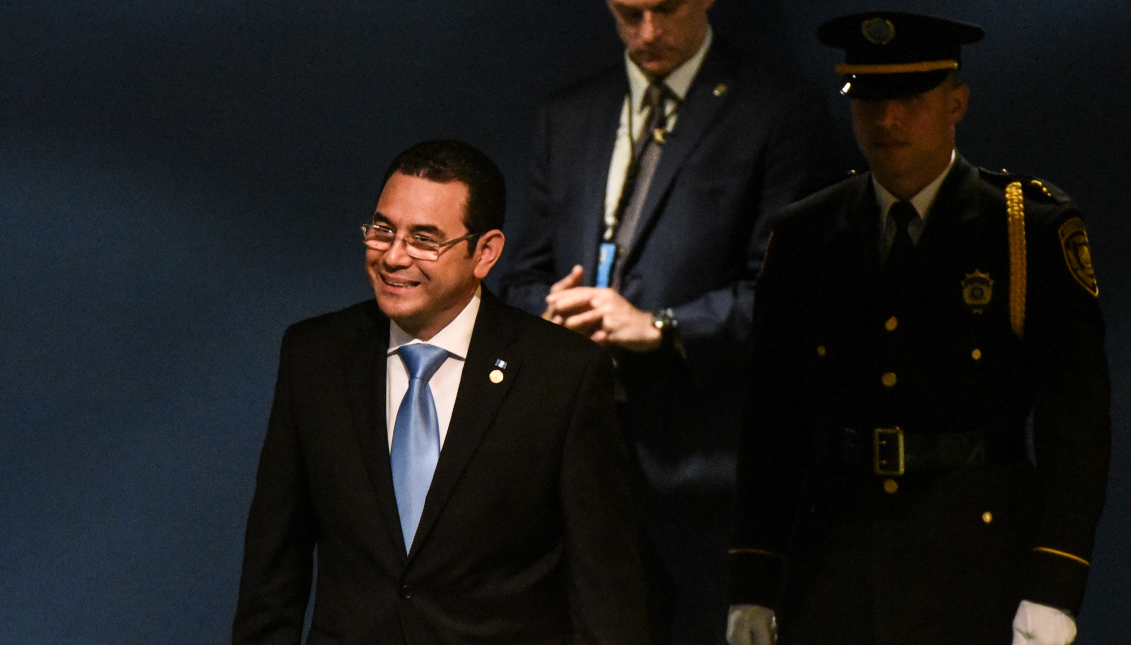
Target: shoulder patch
x=1074, y=243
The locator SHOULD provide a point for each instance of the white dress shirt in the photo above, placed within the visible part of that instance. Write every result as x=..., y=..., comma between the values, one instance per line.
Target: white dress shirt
x=455, y=338
x=922, y=201
x=634, y=112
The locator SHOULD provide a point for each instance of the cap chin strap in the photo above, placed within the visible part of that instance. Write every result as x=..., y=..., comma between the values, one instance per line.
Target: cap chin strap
x=898, y=68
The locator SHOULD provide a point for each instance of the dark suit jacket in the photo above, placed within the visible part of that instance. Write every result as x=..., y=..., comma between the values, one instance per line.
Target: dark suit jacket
x=745, y=144
x=947, y=556
x=525, y=535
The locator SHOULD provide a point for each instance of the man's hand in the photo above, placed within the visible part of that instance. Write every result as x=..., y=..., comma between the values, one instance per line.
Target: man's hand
x=1037, y=624
x=601, y=314
x=570, y=281
x=751, y=625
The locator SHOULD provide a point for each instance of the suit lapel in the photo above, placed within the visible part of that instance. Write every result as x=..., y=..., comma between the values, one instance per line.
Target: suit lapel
x=365, y=376
x=955, y=208
x=696, y=113
x=477, y=403
x=852, y=247
x=854, y=233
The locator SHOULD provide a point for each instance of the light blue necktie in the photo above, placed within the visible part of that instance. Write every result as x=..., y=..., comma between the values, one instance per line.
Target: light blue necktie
x=416, y=436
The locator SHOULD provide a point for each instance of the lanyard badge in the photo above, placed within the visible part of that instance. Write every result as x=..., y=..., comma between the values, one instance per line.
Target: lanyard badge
x=606, y=257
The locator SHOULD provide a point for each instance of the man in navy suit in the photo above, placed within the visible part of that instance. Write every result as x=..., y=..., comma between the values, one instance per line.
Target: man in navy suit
x=455, y=462
x=654, y=186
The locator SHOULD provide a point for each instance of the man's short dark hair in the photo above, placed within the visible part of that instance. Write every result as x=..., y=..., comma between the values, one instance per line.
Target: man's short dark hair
x=445, y=161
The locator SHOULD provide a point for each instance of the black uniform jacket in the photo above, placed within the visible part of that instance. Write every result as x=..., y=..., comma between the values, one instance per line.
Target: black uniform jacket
x=973, y=526
x=525, y=535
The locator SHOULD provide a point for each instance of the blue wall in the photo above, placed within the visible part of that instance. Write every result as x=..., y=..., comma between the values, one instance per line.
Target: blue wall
x=180, y=180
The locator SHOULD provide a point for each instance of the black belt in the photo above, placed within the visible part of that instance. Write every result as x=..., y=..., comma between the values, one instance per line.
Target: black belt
x=890, y=451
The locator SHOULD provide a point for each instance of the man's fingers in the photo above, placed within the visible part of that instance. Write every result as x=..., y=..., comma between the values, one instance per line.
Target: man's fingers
x=590, y=318
x=571, y=280
x=571, y=300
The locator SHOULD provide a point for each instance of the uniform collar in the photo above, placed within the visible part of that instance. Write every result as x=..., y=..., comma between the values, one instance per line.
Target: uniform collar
x=922, y=201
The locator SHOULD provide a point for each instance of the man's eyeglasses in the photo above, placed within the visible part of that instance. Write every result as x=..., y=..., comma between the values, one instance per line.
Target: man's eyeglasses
x=418, y=246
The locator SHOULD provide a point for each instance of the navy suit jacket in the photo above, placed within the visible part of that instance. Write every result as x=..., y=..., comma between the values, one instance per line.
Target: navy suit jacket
x=745, y=144
x=525, y=535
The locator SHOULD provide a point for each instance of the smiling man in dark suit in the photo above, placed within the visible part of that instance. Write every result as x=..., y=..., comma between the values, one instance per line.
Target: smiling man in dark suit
x=455, y=462
x=654, y=185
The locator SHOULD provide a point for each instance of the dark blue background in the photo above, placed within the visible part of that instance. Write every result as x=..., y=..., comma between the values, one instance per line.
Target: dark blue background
x=180, y=180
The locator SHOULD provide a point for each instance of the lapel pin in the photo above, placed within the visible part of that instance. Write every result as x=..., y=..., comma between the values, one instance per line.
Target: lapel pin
x=720, y=89
x=501, y=364
x=496, y=376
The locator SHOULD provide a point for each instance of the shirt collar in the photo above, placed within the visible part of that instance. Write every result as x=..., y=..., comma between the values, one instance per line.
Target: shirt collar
x=922, y=201
x=455, y=338
x=678, y=80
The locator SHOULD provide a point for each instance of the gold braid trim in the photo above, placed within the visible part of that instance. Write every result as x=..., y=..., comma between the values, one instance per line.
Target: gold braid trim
x=897, y=68
x=754, y=552
x=1015, y=206
x=1062, y=554
x=1038, y=184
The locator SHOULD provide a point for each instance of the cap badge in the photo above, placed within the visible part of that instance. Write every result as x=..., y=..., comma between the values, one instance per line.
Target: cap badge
x=878, y=31
x=977, y=289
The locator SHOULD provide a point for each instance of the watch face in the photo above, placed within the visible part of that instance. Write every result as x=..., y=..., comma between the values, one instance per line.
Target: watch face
x=663, y=320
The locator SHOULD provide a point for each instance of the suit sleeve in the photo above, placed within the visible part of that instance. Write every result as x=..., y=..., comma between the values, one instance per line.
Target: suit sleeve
x=1064, y=335
x=606, y=586
x=776, y=441
x=280, y=537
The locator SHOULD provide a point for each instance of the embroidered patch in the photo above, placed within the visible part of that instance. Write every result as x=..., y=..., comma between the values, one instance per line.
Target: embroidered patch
x=1074, y=242
x=977, y=290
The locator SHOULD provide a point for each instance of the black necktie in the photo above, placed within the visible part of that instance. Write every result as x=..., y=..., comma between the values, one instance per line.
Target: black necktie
x=899, y=254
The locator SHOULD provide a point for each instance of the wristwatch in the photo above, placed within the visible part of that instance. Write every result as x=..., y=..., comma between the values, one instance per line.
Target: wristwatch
x=664, y=320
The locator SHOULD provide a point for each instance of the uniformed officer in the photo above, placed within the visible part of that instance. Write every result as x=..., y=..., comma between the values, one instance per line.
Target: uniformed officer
x=909, y=322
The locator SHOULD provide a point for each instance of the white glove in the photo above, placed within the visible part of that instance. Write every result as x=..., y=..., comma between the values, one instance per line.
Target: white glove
x=751, y=625
x=1037, y=624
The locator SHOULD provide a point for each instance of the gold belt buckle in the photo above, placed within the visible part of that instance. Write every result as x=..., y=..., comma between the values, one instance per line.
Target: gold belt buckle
x=887, y=451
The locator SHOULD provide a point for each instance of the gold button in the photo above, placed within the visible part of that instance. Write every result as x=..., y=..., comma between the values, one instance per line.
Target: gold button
x=891, y=323
x=890, y=486
x=889, y=379
x=496, y=376
x=821, y=350
x=987, y=517
x=976, y=354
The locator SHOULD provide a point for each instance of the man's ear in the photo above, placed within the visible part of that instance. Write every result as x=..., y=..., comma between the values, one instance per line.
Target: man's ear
x=487, y=252
x=959, y=99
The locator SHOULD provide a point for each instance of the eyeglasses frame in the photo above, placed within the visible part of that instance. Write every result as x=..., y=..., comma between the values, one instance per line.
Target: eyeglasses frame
x=439, y=247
